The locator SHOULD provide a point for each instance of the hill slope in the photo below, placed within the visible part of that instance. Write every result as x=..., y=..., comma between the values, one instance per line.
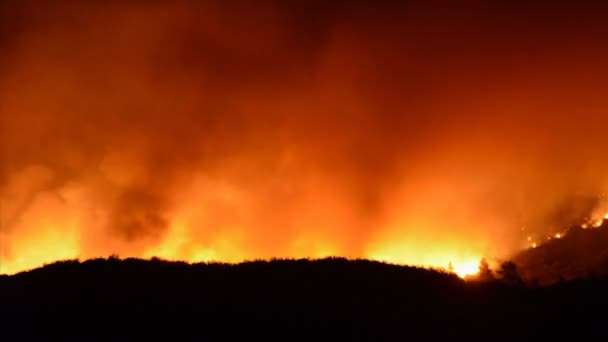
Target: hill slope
x=331, y=299
x=580, y=253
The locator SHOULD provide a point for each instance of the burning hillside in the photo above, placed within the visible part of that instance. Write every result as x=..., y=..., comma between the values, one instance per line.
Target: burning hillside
x=578, y=253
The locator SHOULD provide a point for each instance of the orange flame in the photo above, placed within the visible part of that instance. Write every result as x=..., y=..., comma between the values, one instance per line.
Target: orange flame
x=173, y=129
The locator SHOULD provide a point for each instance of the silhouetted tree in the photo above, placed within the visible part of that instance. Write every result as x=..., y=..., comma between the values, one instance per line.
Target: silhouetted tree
x=485, y=273
x=509, y=274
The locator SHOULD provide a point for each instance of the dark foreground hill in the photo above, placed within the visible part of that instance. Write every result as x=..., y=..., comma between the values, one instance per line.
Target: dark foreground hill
x=326, y=300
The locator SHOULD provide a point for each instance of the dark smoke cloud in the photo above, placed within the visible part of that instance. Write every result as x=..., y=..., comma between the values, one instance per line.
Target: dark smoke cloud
x=287, y=122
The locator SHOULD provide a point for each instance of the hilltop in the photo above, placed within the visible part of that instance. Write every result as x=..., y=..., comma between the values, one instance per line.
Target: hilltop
x=330, y=299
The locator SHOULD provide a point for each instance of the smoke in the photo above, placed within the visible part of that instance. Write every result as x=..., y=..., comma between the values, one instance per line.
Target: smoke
x=232, y=130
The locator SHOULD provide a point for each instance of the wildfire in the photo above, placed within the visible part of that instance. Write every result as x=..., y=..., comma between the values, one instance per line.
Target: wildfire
x=53, y=229
x=51, y=244
x=59, y=238
x=463, y=267
x=449, y=258
x=150, y=132
x=467, y=269
x=595, y=221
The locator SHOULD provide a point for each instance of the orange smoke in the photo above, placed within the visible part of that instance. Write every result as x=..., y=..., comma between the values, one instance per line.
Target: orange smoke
x=228, y=131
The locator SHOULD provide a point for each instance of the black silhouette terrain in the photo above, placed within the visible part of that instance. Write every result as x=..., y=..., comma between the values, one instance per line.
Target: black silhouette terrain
x=326, y=300
x=580, y=253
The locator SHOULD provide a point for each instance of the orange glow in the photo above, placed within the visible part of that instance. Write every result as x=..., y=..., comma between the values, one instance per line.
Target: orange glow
x=173, y=129
x=213, y=222
x=48, y=245
x=463, y=265
x=45, y=235
x=462, y=258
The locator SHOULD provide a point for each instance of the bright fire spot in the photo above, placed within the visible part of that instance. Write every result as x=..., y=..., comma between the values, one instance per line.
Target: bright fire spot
x=534, y=245
x=558, y=236
x=462, y=269
x=606, y=216
x=462, y=265
x=466, y=269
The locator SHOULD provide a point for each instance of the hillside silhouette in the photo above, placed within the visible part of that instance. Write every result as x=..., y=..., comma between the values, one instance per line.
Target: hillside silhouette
x=580, y=253
x=330, y=299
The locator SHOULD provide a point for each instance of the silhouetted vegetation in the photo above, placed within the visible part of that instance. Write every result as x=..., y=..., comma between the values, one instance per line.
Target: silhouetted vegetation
x=485, y=273
x=509, y=274
x=332, y=299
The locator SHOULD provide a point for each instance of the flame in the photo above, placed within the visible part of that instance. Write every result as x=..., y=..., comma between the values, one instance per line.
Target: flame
x=40, y=239
x=595, y=221
x=169, y=131
x=213, y=223
x=448, y=256
x=467, y=269
x=51, y=234
x=48, y=245
x=461, y=266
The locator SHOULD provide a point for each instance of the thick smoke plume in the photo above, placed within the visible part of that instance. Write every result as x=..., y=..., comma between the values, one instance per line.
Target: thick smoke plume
x=234, y=130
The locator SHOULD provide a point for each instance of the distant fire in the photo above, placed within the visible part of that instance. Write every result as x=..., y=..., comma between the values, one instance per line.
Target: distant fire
x=595, y=220
x=48, y=234
x=222, y=130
